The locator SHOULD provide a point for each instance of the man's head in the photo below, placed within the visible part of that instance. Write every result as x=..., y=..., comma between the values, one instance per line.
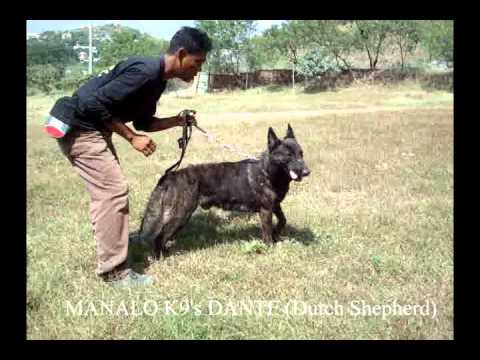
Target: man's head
x=187, y=52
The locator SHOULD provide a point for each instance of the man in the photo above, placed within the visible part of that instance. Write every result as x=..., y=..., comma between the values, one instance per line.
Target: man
x=102, y=106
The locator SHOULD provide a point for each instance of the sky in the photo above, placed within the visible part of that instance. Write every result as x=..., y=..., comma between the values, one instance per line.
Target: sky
x=163, y=29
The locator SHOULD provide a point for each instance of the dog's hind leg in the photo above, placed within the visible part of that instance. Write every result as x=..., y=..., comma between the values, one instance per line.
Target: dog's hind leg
x=282, y=221
x=153, y=232
x=158, y=217
x=178, y=207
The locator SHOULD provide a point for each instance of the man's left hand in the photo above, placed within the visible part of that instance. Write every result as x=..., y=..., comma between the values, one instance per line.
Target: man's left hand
x=186, y=119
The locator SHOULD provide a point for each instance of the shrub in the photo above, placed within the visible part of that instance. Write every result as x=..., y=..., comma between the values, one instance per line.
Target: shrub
x=254, y=247
x=438, y=81
x=73, y=81
x=31, y=91
x=44, y=77
x=316, y=62
x=175, y=85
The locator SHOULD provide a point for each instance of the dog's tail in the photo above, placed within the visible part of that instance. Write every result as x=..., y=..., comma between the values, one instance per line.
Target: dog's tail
x=162, y=179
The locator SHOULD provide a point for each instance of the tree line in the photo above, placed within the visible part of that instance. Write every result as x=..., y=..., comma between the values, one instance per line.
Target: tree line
x=329, y=42
x=310, y=47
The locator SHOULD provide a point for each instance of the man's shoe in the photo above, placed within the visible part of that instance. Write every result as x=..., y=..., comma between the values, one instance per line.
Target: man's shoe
x=127, y=278
x=132, y=279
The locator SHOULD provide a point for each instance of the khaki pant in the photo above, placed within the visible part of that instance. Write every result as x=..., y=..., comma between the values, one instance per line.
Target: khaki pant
x=93, y=157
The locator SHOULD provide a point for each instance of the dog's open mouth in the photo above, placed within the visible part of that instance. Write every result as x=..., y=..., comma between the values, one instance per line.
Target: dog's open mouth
x=294, y=175
x=298, y=175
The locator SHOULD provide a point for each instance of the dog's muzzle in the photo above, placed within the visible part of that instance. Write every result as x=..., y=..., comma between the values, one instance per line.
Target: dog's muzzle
x=297, y=175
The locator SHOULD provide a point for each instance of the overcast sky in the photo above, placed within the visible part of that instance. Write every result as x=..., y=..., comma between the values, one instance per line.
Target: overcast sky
x=163, y=29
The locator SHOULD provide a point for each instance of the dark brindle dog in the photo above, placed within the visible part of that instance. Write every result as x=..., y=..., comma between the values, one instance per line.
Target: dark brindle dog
x=249, y=185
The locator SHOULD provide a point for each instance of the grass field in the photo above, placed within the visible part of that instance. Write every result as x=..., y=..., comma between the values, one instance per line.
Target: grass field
x=372, y=223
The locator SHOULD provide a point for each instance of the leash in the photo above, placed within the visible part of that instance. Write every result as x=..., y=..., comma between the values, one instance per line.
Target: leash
x=184, y=140
x=187, y=115
x=228, y=147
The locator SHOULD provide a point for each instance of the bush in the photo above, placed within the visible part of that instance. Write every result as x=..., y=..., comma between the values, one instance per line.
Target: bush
x=316, y=63
x=427, y=79
x=48, y=78
x=31, y=91
x=397, y=74
x=176, y=84
x=254, y=247
x=73, y=81
x=44, y=77
x=327, y=81
x=438, y=81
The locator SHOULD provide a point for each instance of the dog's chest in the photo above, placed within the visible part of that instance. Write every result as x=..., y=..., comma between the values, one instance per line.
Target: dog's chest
x=270, y=189
x=281, y=190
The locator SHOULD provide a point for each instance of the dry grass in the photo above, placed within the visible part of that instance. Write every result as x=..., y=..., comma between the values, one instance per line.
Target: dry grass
x=373, y=222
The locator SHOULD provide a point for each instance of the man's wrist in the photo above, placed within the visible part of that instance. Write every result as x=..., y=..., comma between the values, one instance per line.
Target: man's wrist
x=123, y=130
x=159, y=124
x=130, y=137
x=178, y=120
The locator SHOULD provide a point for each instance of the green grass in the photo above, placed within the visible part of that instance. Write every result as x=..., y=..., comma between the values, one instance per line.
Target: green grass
x=373, y=222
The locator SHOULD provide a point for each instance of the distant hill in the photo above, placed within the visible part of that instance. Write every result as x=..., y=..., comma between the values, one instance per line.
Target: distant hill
x=80, y=35
x=104, y=32
x=71, y=46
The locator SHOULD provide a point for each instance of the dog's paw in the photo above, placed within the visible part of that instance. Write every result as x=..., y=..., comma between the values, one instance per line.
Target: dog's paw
x=169, y=244
x=276, y=236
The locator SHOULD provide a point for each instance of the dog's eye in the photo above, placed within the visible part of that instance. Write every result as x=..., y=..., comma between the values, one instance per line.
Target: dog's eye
x=301, y=154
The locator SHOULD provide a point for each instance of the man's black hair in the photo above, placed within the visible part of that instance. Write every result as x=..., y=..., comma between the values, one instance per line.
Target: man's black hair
x=193, y=40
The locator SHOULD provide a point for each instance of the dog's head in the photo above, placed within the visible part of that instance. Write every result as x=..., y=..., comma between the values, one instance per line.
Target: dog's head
x=287, y=154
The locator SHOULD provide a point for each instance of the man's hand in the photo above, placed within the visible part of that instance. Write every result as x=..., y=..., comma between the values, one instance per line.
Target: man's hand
x=187, y=118
x=143, y=144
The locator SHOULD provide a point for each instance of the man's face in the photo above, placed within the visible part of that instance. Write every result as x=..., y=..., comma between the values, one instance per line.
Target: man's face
x=190, y=64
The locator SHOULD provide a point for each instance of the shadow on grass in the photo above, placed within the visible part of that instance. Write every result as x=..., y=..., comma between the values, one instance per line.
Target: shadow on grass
x=313, y=90
x=276, y=88
x=206, y=229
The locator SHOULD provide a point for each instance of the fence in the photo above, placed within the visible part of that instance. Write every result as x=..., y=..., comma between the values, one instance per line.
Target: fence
x=251, y=79
x=326, y=81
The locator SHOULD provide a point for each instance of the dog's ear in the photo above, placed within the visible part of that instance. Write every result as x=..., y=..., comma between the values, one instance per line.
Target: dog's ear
x=290, y=133
x=272, y=139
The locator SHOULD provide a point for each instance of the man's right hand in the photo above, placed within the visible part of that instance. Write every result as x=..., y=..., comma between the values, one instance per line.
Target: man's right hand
x=144, y=144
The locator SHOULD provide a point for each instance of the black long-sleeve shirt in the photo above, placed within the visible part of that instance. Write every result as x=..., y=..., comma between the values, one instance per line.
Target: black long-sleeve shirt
x=129, y=92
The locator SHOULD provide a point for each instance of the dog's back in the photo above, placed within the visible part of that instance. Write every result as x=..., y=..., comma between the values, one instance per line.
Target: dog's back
x=229, y=185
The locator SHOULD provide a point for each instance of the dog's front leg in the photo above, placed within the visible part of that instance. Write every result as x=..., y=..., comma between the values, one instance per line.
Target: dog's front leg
x=277, y=210
x=266, y=219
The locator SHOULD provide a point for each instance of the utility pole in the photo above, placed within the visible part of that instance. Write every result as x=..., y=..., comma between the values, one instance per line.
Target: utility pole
x=90, y=57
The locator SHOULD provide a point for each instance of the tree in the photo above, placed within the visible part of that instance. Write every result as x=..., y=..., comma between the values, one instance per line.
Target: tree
x=370, y=35
x=49, y=51
x=80, y=37
x=405, y=34
x=258, y=53
x=286, y=40
x=231, y=43
x=125, y=43
x=44, y=77
x=335, y=37
x=437, y=37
